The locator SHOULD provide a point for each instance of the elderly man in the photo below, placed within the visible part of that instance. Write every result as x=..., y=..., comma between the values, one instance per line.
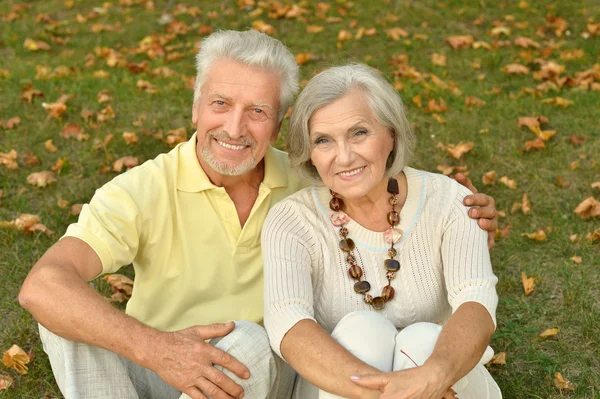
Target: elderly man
x=190, y=223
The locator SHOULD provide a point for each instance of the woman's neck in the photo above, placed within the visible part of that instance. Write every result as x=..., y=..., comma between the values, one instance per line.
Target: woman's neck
x=371, y=210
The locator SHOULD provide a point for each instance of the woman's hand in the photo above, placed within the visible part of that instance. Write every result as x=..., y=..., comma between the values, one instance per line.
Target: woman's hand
x=416, y=383
x=484, y=208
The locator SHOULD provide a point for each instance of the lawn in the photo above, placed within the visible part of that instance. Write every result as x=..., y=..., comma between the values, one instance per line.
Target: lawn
x=84, y=84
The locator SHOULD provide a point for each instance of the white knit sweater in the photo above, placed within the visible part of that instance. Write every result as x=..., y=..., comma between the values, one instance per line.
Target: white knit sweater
x=443, y=256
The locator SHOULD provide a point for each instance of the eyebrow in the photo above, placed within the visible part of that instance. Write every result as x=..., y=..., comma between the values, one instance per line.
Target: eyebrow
x=254, y=104
x=360, y=122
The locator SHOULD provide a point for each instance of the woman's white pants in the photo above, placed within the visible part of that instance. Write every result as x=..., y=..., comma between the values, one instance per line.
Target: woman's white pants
x=373, y=339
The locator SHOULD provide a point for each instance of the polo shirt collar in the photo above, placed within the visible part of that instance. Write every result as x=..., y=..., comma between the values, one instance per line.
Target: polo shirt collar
x=192, y=178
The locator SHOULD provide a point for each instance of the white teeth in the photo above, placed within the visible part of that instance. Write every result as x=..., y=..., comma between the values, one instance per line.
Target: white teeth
x=352, y=172
x=231, y=147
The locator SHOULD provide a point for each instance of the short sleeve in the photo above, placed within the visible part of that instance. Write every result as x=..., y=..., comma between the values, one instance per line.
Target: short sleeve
x=287, y=241
x=111, y=225
x=466, y=259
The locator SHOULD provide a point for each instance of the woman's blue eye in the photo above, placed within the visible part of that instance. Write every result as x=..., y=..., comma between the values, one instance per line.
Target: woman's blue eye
x=360, y=132
x=321, y=140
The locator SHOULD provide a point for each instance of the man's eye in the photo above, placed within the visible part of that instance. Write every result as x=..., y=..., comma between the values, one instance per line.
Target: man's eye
x=219, y=102
x=258, y=111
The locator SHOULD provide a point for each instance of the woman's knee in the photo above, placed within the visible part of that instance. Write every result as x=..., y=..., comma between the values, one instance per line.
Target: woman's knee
x=414, y=344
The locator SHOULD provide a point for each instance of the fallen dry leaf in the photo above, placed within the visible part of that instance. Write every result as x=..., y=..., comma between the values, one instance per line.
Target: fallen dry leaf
x=499, y=359
x=593, y=237
x=549, y=332
x=6, y=382
x=9, y=159
x=176, y=136
x=458, y=42
x=595, y=184
x=62, y=203
x=515, y=69
x=76, y=209
x=537, y=144
x=539, y=235
x=434, y=106
x=303, y=58
x=508, y=182
x=263, y=27
x=489, y=177
x=28, y=93
x=588, y=208
x=563, y=384
x=504, y=232
x=36, y=45
x=49, y=146
x=147, y=86
x=558, y=101
x=524, y=206
x=438, y=59
x=120, y=284
x=41, y=179
x=103, y=96
x=528, y=283
x=458, y=150
x=576, y=259
x=344, y=35
x=16, y=358
x=314, y=29
x=448, y=170
x=127, y=162
x=526, y=42
x=396, y=33
x=106, y=114
x=130, y=138
x=55, y=110
x=74, y=130
x=472, y=101
x=576, y=139
x=11, y=123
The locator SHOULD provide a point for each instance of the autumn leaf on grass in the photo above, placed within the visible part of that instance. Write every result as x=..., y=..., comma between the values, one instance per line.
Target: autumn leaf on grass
x=74, y=130
x=36, y=45
x=396, y=33
x=49, y=146
x=537, y=144
x=263, y=27
x=438, y=59
x=9, y=159
x=103, y=96
x=314, y=29
x=102, y=144
x=146, y=86
x=515, y=69
x=28, y=93
x=526, y=42
x=595, y=184
x=512, y=184
x=127, y=162
x=448, y=170
x=498, y=359
x=549, y=332
x=120, y=285
x=106, y=114
x=593, y=237
x=524, y=206
x=576, y=139
x=528, y=283
x=28, y=224
x=504, y=232
x=176, y=136
x=433, y=106
x=489, y=177
x=55, y=110
x=460, y=149
x=563, y=384
x=41, y=179
x=344, y=35
x=558, y=101
x=539, y=235
x=303, y=58
x=16, y=358
x=11, y=123
x=576, y=259
x=473, y=101
x=5, y=382
x=571, y=55
x=458, y=42
x=130, y=138
x=589, y=208
x=76, y=209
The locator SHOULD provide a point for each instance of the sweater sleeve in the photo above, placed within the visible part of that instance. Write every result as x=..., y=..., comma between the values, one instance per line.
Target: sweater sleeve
x=287, y=242
x=466, y=259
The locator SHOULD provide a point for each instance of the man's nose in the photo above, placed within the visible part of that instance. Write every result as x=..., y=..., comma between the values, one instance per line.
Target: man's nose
x=235, y=124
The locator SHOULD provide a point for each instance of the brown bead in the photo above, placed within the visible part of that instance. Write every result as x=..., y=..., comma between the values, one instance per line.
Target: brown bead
x=336, y=203
x=393, y=218
x=391, y=265
x=393, y=186
x=368, y=298
x=346, y=244
x=378, y=303
x=362, y=286
x=344, y=231
x=355, y=272
x=392, y=252
x=389, y=275
x=387, y=293
x=394, y=200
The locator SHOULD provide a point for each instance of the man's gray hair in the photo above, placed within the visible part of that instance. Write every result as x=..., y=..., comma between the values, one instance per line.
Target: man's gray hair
x=332, y=84
x=250, y=48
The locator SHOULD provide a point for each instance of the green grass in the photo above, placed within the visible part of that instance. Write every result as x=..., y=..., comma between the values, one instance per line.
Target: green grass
x=566, y=296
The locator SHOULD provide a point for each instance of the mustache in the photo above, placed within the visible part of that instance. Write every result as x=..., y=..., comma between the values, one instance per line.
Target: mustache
x=224, y=136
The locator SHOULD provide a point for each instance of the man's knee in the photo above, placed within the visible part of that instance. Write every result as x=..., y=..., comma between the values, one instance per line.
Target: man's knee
x=247, y=339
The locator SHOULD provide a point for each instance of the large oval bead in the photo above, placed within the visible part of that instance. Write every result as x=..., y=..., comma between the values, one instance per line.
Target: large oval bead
x=391, y=265
x=346, y=244
x=392, y=187
x=362, y=286
x=378, y=303
x=339, y=218
x=392, y=235
x=393, y=218
x=355, y=272
x=335, y=204
x=387, y=293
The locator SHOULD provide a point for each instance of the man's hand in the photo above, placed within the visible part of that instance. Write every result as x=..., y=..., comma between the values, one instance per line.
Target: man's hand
x=185, y=361
x=414, y=383
x=483, y=208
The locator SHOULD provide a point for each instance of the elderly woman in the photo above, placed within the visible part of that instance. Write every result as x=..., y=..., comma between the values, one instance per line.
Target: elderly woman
x=377, y=282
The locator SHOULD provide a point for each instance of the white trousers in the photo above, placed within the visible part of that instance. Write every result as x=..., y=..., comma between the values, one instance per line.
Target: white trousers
x=88, y=372
x=373, y=339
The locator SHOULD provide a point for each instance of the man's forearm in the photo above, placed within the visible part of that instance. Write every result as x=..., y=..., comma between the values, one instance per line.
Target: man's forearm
x=60, y=300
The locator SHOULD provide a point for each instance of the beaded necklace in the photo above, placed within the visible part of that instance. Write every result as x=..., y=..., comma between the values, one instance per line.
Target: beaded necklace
x=392, y=235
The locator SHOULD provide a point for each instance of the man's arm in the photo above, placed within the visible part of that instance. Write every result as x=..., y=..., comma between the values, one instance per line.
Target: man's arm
x=484, y=209
x=58, y=296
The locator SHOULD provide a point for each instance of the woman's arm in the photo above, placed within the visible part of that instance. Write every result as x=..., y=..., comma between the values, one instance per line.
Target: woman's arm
x=323, y=362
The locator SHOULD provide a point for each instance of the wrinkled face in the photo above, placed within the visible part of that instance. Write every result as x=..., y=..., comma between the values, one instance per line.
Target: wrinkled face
x=350, y=147
x=236, y=117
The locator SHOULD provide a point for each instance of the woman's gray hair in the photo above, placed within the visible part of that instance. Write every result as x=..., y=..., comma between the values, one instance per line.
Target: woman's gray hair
x=250, y=48
x=332, y=84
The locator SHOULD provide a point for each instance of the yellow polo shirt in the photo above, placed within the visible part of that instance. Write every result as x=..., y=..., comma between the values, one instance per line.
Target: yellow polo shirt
x=193, y=262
